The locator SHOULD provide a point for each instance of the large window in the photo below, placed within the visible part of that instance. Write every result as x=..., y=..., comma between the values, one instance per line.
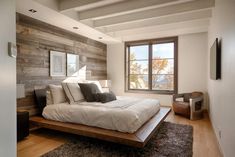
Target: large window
x=151, y=66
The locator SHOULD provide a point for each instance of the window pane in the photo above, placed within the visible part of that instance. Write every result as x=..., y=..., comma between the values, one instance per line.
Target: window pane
x=163, y=66
x=163, y=82
x=138, y=81
x=139, y=67
x=139, y=52
x=165, y=50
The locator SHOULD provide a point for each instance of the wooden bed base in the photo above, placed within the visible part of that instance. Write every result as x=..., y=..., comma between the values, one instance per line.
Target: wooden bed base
x=137, y=139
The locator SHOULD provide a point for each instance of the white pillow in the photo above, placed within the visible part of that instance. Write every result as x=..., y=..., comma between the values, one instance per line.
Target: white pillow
x=49, y=98
x=73, y=80
x=73, y=92
x=58, y=95
x=97, y=83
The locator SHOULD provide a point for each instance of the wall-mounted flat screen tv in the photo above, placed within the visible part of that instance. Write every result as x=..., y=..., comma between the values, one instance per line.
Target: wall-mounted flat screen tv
x=215, y=61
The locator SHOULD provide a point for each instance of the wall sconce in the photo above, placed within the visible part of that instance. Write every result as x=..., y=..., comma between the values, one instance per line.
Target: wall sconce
x=20, y=91
x=83, y=58
x=105, y=84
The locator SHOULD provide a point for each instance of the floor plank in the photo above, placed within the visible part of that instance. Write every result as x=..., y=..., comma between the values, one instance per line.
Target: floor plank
x=42, y=140
x=204, y=140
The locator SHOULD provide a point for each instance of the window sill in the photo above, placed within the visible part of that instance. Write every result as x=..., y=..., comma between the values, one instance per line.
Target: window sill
x=165, y=92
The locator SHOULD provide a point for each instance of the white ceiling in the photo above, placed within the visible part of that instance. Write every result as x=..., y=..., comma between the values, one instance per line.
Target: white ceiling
x=123, y=20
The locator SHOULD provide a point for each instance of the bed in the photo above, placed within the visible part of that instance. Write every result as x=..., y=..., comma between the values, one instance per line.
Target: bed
x=129, y=121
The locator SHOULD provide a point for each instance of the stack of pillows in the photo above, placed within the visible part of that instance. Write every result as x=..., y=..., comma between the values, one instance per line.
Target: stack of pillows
x=90, y=91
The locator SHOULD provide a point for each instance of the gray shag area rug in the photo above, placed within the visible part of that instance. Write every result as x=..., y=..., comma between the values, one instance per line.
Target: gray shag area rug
x=171, y=140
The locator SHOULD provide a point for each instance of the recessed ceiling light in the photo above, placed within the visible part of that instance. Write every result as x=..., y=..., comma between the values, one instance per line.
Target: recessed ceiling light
x=100, y=37
x=32, y=10
x=75, y=27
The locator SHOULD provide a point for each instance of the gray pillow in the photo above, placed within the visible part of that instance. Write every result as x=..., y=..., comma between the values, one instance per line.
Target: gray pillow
x=89, y=90
x=73, y=92
x=105, y=97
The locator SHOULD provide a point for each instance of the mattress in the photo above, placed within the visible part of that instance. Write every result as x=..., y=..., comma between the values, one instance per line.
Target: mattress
x=126, y=114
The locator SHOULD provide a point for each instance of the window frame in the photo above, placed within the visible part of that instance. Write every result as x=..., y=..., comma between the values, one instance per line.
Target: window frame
x=150, y=42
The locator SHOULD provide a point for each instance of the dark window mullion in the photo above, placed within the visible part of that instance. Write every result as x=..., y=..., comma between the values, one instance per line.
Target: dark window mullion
x=162, y=74
x=176, y=66
x=140, y=60
x=150, y=66
x=138, y=74
x=128, y=68
x=164, y=59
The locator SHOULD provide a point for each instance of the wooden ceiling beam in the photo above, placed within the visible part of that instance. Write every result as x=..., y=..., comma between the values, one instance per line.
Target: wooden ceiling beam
x=153, y=13
x=82, y=5
x=123, y=8
x=166, y=27
x=176, y=18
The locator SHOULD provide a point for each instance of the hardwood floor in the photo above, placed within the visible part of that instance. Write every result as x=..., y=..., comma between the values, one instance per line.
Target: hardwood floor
x=42, y=140
x=204, y=141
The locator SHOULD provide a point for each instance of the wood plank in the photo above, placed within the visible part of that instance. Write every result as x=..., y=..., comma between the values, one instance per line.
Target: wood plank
x=34, y=33
x=137, y=139
x=45, y=27
x=97, y=77
x=147, y=131
x=35, y=39
x=83, y=130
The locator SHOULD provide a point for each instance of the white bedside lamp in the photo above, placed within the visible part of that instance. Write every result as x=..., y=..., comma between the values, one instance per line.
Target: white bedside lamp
x=105, y=84
x=20, y=91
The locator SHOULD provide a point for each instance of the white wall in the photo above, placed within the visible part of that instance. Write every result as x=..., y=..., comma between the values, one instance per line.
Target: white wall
x=7, y=80
x=192, y=67
x=222, y=92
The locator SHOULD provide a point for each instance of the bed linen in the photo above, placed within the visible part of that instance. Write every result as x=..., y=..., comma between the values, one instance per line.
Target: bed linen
x=126, y=114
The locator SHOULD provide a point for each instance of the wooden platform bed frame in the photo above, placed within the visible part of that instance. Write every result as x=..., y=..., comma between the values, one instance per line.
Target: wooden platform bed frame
x=137, y=139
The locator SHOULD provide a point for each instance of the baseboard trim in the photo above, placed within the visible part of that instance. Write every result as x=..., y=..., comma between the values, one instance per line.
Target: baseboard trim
x=217, y=138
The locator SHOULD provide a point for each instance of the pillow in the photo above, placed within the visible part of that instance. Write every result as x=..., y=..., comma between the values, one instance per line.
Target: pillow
x=58, y=95
x=74, y=80
x=73, y=92
x=49, y=98
x=105, y=97
x=89, y=90
x=97, y=83
x=40, y=97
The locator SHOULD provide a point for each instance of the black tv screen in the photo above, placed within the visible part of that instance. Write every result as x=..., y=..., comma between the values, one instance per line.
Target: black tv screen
x=215, y=61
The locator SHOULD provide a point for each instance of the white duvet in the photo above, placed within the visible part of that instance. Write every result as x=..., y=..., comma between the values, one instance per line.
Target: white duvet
x=126, y=114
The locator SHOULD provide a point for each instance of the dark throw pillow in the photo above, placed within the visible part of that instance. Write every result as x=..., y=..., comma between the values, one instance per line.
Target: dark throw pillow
x=89, y=90
x=105, y=97
x=40, y=99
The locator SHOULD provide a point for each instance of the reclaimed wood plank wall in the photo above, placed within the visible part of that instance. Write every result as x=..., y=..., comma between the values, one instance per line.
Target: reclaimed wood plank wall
x=35, y=39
